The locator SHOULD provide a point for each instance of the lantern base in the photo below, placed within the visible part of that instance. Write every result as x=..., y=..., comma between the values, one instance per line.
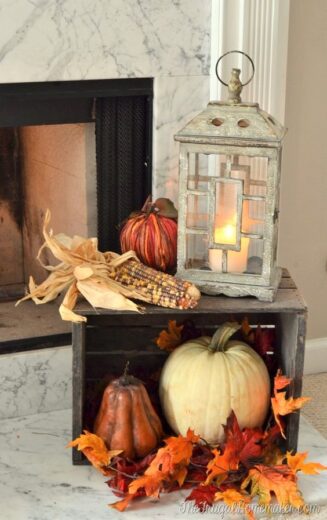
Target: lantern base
x=236, y=290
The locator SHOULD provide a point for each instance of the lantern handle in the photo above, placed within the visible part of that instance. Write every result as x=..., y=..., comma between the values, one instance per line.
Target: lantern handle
x=232, y=52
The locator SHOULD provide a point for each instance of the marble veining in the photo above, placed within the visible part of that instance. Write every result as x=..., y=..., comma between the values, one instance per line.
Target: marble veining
x=35, y=381
x=176, y=101
x=58, y=40
x=40, y=483
x=77, y=39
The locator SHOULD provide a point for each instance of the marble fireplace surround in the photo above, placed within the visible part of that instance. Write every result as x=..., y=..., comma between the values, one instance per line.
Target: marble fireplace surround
x=51, y=40
x=77, y=40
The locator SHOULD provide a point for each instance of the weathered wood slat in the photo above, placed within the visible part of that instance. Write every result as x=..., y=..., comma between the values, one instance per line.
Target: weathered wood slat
x=102, y=366
x=288, y=298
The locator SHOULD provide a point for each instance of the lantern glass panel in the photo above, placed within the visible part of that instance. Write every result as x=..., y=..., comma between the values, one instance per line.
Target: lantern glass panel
x=227, y=211
x=253, y=216
x=197, y=212
x=255, y=256
x=253, y=171
x=202, y=168
x=197, y=251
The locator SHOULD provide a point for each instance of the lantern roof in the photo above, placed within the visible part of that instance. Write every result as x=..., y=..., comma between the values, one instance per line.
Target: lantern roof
x=238, y=124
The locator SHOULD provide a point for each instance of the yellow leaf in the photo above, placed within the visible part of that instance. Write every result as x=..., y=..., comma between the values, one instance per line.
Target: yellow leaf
x=296, y=463
x=266, y=481
x=234, y=498
x=169, y=340
x=94, y=450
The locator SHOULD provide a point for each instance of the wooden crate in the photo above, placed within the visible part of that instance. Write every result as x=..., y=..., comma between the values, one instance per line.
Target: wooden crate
x=110, y=338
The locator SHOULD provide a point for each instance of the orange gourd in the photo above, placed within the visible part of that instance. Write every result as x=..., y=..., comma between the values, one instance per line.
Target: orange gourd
x=152, y=234
x=126, y=419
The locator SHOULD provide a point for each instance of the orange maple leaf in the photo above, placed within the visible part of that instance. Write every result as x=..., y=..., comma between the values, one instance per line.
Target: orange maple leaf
x=221, y=464
x=277, y=480
x=169, y=465
x=281, y=381
x=150, y=482
x=122, y=504
x=94, y=450
x=180, y=448
x=282, y=406
x=169, y=339
x=296, y=463
x=247, y=331
x=234, y=498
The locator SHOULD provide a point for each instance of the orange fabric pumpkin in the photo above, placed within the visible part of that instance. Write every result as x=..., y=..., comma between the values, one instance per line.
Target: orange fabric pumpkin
x=126, y=419
x=152, y=234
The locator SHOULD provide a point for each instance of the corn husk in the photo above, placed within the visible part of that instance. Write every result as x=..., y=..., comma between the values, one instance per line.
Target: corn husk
x=82, y=270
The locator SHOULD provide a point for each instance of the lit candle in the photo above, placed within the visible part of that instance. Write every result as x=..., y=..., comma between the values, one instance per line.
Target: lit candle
x=236, y=260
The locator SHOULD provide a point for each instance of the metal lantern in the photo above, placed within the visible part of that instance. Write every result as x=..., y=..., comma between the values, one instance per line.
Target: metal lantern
x=230, y=159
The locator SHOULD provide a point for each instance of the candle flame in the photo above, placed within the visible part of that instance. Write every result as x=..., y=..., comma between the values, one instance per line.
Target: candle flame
x=226, y=235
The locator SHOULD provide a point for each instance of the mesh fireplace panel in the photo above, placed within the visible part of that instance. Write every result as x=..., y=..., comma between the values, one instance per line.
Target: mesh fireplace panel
x=123, y=144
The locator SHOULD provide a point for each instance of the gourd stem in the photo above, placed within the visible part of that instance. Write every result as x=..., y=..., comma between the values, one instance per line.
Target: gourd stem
x=222, y=335
x=126, y=369
x=147, y=205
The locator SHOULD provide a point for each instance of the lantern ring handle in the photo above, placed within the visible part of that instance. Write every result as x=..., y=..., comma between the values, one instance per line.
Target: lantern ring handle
x=232, y=52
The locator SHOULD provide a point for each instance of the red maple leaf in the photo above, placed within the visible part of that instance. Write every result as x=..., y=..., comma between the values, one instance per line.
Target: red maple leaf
x=246, y=443
x=125, y=471
x=203, y=496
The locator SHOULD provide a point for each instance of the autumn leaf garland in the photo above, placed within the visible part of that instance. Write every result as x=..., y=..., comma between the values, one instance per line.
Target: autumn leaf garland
x=248, y=465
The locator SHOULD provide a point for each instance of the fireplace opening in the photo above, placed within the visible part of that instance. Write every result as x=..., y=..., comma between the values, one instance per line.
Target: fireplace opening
x=82, y=149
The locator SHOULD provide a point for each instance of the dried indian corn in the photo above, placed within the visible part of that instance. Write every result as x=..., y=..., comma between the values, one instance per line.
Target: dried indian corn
x=105, y=280
x=155, y=287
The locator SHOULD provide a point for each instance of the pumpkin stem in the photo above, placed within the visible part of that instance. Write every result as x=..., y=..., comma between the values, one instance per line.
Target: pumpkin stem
x=147, y=206
x=126, y=369
x=222, y=336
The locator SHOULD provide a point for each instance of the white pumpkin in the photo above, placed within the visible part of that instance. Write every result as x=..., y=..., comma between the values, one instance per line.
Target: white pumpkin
x=205, y=378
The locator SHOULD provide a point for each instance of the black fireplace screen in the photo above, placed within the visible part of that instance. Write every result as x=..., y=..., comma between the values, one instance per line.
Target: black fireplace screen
x=122, y=111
